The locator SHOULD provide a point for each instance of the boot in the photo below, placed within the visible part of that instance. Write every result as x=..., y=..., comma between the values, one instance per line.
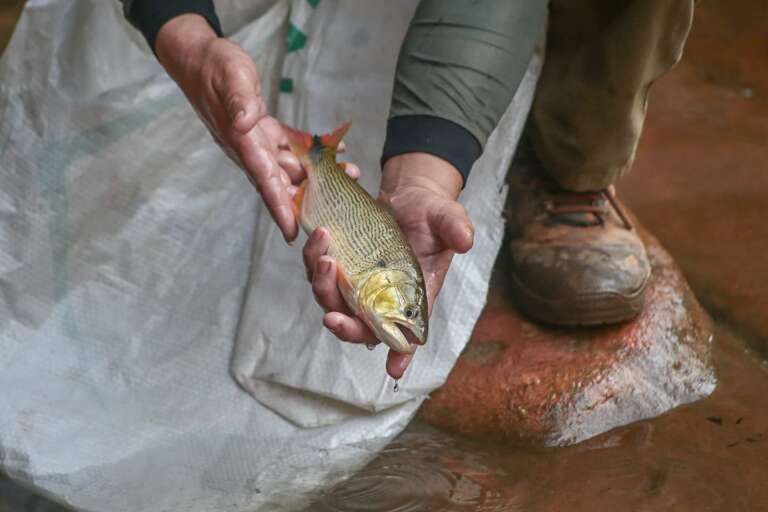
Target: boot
x=576, y=257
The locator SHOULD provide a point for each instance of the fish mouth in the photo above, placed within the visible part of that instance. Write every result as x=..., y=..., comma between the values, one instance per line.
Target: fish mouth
x=409, y=335
x=402, y=337
x=399, y=337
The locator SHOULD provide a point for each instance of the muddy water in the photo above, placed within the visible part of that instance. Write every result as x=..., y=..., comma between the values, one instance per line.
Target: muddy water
x=711, y=455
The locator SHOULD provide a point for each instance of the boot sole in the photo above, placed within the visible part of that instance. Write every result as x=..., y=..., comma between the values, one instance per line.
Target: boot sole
x=584, y=310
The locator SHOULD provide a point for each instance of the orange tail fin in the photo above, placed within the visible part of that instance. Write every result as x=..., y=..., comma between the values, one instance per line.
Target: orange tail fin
x=332, y=140
x=299, y=142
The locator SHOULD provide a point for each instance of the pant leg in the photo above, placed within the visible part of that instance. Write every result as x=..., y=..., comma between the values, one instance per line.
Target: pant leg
x=602, y=57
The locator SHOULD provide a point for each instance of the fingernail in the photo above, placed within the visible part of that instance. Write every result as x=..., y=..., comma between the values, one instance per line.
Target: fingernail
x=240, y=113
x=325, y=266
x=333, y=327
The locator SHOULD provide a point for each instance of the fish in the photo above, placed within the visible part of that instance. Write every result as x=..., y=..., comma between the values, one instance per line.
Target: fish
x=377, y=272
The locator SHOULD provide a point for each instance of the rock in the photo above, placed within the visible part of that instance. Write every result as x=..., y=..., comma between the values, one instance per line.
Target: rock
x=525, y=382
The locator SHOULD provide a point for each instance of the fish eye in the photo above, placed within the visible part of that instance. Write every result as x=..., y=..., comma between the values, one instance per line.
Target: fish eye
x=410, y=312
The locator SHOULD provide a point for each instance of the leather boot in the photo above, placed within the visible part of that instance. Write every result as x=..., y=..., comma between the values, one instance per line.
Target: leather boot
x=576, y=257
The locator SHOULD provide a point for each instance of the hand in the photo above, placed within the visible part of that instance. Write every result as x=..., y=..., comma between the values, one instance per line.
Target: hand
x=422, y=190
x=221, y=82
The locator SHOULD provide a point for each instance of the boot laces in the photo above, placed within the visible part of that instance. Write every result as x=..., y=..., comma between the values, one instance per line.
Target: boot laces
x=597, y=203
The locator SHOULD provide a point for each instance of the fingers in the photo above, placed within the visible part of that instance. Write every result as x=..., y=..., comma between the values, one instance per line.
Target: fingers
x=352, y=170
x=321, y=271
x=242, y=99
x=267, y=174
x=317, y=245
x=397, y=363
x=324, y=286
x=236, y=116
x=278, y=143
x=291, y=166
x=275, y=132
x=451, y=223
x=353, y=330
x=348, y=328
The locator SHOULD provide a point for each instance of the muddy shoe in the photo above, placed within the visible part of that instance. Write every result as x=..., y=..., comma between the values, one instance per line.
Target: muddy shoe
x=576, y=258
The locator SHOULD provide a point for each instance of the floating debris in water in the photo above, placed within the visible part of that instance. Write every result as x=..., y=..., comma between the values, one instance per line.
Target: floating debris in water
x=396, y=387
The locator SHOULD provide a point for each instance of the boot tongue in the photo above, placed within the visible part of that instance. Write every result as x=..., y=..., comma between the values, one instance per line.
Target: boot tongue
x=579, y=209
x=576, y=219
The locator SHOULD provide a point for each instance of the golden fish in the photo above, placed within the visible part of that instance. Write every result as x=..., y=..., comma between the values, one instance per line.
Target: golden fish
x=378, y=275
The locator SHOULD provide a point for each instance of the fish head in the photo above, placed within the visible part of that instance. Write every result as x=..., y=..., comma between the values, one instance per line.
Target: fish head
x=394, y=304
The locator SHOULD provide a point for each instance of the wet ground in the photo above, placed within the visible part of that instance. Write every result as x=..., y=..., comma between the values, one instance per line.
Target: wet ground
x=707, y=456
x=699, y=184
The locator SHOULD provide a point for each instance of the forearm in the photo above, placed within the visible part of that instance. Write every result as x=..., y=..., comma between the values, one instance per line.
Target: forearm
x=420, y=170
x=459, y=67
x=179, y=42
x=150, y=16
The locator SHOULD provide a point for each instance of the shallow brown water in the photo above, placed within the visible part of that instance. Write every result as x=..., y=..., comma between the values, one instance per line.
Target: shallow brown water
x=711, y=455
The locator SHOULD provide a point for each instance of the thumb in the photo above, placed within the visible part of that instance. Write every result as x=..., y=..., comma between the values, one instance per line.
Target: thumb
x=452, y=225
x=242, y=100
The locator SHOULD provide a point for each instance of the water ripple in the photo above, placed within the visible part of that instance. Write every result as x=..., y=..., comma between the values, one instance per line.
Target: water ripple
x=415, y=475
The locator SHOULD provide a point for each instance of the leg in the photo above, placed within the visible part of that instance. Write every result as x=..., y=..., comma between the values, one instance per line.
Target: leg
x=576, y=258
x=602, y=58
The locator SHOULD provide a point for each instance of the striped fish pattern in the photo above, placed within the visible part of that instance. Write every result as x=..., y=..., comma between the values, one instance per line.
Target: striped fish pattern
x=379, y=276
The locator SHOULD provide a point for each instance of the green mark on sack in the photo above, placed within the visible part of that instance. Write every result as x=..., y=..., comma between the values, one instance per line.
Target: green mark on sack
x=286, y=85
x=296, y=38
x=313, y=3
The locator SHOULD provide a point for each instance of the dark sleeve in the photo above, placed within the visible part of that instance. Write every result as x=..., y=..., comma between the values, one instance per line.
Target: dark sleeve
x=150, y=15
x=459, y=67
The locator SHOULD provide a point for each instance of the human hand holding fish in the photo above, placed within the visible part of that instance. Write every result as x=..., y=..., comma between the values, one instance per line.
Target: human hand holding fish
x=221, y=82
x=420, y=191
x=369, y=279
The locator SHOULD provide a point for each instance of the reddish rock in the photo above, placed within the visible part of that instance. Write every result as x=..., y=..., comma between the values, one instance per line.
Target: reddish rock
x=525, y=382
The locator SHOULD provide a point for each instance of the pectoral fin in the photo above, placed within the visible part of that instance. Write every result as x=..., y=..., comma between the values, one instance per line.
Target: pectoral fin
x=297, y=200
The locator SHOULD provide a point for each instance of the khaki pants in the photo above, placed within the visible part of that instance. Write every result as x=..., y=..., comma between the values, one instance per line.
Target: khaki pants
x=602, y=57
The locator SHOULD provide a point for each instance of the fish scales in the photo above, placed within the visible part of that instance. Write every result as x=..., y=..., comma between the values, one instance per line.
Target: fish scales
x=363, y=234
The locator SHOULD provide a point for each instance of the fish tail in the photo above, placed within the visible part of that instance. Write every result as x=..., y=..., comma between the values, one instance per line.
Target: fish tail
x=299, y=142
x=302, y=143
x=333, y=139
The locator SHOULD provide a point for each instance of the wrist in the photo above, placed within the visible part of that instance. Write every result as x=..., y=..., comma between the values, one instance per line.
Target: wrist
x=421, y=170
x=181, y=42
